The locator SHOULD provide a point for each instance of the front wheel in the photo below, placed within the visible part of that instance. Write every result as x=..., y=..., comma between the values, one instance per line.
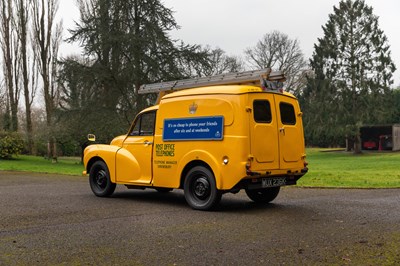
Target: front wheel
x=263, y=195
x=200, y=189
x=99, y=180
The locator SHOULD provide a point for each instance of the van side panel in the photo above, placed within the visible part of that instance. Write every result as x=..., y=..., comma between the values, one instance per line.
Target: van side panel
x=272, y=148
x=128, y=169
x=171, y=157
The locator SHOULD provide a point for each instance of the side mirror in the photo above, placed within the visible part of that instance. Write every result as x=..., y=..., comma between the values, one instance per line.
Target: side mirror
x=91, y=137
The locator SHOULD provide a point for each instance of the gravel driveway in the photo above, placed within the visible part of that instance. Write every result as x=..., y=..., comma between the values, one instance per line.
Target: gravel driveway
x=53, y=220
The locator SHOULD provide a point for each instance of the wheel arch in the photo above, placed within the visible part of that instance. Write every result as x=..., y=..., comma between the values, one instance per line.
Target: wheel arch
x=200, y=158
x=105, y=153
x=92, y=161
x=189, y=166
x=109, y=164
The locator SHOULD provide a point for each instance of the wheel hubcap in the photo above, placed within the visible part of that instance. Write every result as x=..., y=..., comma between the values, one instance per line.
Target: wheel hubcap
x=101, y=179
x=201, y=188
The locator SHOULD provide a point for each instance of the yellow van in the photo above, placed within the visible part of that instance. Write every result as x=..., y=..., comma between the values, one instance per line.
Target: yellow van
x=208, y=136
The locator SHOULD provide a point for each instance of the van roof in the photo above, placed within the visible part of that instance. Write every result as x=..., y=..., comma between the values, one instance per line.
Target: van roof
x=223, y=89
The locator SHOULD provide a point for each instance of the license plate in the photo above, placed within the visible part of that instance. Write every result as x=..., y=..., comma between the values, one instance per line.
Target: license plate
x=273, y=182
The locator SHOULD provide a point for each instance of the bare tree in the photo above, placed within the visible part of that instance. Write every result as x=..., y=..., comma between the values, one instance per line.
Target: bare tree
x=3, y=103
x=46, y=40
x=219, y=62
x=277, y=51
x=211, y=62
x=28, y=81
x=9, y=43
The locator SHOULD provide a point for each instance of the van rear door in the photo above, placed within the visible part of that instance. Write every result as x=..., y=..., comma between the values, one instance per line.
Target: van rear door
x=276, y=130
x=290, y=130
x=264, y=143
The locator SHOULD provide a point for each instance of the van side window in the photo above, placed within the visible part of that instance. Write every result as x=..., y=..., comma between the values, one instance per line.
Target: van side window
x=136, y=128
x=144, y=125
x=262, y=111
x=288, y=117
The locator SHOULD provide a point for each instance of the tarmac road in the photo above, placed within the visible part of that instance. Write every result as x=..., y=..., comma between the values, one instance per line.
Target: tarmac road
x=56, y=220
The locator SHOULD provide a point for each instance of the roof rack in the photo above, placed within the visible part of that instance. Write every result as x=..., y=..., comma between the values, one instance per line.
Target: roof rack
x=265, y=78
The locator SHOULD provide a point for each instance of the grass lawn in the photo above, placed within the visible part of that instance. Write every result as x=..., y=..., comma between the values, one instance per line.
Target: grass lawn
x=65, y=165
x=344, y=169
x=326, y=169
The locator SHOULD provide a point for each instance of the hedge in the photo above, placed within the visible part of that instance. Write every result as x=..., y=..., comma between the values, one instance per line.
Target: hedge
x=11, y=144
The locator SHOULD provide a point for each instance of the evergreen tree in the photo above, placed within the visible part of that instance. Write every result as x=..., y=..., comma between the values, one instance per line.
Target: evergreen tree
x=395, y=101
x=126, y=44
x=321, y=112
x=354, y=58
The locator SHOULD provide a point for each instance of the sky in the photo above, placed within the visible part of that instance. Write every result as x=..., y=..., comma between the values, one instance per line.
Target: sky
x=234, y=25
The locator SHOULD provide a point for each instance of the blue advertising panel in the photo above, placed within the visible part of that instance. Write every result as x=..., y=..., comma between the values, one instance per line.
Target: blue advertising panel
x=199, y=128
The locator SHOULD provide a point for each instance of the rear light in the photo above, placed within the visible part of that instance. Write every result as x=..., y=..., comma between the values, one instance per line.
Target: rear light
x=305, y=169
x=225, y=160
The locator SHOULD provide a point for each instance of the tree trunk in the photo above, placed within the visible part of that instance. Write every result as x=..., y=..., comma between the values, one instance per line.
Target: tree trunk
x=52, y=150
x=7, y=43
x=22, y=19
x=46, y=43
x=349, y=143
x=357, y=144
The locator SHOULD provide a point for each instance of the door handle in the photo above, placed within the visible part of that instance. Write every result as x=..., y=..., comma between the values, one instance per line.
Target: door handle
x=282, y=130
x=146, y=142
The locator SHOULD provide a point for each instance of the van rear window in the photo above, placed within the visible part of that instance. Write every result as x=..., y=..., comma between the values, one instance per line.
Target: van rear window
x=288, y=116
x=262, y=111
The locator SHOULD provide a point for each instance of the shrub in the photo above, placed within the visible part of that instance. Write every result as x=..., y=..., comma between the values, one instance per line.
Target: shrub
x=11, y=144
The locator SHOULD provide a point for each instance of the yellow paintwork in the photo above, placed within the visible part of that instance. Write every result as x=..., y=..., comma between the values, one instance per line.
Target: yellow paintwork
x=103, y=152
x=150, y=161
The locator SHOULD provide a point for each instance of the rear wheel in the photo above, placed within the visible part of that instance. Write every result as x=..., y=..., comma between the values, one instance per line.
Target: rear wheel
x=200, y=189
x=263, y=195
x=99, y=180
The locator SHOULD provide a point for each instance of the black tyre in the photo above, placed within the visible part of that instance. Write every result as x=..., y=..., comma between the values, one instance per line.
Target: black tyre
x=200, y=189
x=99, y=180
x=263, y=195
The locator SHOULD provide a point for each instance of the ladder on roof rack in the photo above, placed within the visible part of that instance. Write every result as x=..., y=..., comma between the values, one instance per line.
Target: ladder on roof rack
x=265, y=78
x=248, y=77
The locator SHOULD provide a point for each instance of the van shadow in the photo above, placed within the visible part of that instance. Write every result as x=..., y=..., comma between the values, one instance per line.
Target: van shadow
x=173, y=198
x=229, y=203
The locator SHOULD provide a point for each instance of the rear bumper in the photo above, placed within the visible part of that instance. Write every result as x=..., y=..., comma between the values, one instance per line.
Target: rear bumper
x=256, y=180
x=280, y=172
